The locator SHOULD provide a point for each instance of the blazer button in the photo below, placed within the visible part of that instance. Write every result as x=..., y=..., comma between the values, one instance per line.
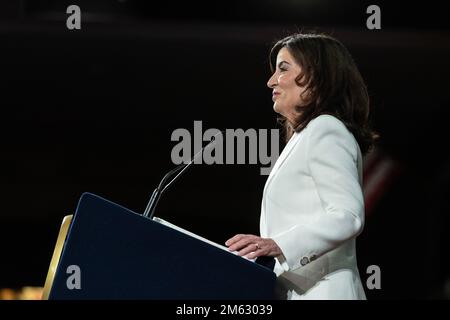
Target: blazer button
x=304, y=261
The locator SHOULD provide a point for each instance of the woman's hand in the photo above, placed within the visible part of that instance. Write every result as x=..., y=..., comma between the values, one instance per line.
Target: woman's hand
x=252, y=246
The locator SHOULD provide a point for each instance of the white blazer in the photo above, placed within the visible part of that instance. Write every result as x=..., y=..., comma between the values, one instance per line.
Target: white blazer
x=313, y=208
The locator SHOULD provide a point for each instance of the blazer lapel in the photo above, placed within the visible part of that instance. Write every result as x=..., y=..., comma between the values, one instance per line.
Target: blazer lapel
x=283, y=156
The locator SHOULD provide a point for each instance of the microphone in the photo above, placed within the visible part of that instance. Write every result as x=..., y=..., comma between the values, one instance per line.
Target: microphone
x=178, y=171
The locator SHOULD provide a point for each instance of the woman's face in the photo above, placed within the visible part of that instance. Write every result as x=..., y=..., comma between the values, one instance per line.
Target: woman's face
x=286, y=93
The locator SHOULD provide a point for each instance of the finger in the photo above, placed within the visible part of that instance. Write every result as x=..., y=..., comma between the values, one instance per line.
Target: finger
x=245, y=241
x=234, y=239
x=255, y=254
x=239, y=244
x=251, y=247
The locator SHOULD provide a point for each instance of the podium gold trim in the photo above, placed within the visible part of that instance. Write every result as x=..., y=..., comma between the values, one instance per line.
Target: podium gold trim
x=56, y=255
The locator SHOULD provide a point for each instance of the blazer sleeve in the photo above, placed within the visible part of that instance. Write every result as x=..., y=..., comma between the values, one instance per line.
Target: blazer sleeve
x=332, y=155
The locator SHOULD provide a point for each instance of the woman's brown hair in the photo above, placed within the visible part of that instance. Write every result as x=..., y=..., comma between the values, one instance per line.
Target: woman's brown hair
x=333, y=83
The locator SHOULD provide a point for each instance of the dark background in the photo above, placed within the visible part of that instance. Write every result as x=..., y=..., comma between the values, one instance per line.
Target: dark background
x=93, y=110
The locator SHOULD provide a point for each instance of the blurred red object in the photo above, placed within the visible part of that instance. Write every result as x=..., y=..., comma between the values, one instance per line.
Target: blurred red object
x=380, y=170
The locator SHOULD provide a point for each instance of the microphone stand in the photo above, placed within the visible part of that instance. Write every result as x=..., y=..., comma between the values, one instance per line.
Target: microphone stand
x=163, y=186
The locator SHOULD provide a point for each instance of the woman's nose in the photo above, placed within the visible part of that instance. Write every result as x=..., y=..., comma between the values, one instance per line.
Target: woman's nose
x=272, y=81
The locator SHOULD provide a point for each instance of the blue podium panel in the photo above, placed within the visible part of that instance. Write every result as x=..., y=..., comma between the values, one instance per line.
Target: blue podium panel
x=123, y=255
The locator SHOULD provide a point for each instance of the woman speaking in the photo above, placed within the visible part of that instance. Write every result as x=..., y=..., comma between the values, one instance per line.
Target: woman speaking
x=313, y=207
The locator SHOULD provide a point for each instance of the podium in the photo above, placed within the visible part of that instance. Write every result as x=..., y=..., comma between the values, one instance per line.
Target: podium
x=111, y=252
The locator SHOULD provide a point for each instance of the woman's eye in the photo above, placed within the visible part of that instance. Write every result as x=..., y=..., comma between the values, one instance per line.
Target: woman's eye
x=283, y=69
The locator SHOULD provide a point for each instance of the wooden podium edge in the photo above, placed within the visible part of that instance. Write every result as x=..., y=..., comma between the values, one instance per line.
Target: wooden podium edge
x=56, y=256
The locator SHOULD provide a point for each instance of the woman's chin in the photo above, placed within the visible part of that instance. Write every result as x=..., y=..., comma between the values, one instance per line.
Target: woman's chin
x=275, y=108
